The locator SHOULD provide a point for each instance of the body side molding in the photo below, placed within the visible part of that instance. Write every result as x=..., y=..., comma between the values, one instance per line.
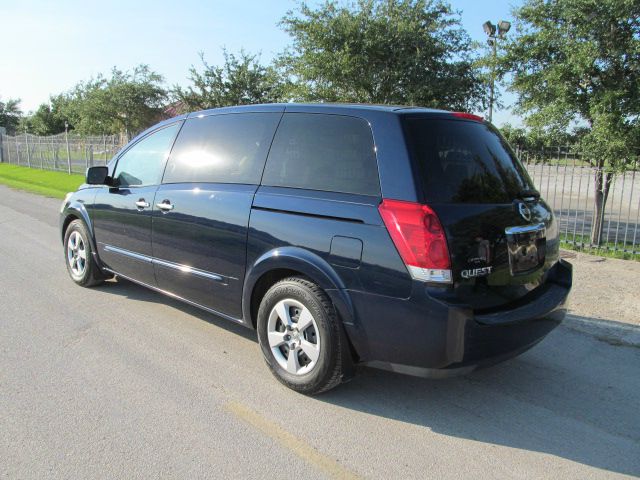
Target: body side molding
x=163, y=263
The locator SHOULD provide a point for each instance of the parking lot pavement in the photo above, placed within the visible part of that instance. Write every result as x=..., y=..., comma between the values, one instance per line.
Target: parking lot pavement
x=121, y=382
x=605, y=288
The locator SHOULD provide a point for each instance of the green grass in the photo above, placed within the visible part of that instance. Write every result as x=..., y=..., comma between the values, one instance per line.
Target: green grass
x=607, y=249
x=44, y=182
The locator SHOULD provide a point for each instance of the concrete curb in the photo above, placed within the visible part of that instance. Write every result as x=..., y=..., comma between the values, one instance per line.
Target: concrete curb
x=614, y=333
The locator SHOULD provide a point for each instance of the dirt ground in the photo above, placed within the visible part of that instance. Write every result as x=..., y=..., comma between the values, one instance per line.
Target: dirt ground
x=605, y=288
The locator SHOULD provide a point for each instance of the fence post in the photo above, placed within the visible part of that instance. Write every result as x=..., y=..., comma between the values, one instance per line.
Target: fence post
x=17, y=149
x=1, y=150
x=104, y=148
x=40, y=149
x=56, y=153
x=66, y=139
x=26, y=142
x=560, y=156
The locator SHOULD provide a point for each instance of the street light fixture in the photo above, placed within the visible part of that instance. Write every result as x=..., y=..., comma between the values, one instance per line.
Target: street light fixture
x=503, y=27
x=489, y=28
x=494, y=32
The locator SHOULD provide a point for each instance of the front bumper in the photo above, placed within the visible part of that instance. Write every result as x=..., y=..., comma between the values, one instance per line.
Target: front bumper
x=427, y=337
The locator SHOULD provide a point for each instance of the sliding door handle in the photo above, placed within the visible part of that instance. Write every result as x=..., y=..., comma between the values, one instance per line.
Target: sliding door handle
x=165, y=206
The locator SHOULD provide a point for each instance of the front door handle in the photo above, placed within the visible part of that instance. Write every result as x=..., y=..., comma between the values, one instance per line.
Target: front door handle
x=165, y=206
x=142, y=203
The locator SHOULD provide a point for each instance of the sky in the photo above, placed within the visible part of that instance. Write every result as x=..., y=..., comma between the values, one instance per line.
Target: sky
x=49, y=46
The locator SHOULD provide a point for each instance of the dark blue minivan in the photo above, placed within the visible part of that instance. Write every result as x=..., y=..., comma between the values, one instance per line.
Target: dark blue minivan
x=402, y=238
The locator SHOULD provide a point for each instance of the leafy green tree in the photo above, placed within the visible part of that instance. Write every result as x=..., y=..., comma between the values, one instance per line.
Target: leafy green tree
x=127, y=102
x=535, y=139
x=516, y=136
x=241, y=80
x=381, y=51
x=10, y=114
x=577, y=62
x=49, y=118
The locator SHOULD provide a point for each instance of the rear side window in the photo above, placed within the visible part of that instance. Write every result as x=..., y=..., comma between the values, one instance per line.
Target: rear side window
x=228, y=148
x=332, y=153
x=464, y=162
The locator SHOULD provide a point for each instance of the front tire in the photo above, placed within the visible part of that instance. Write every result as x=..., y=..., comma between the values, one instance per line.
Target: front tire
x=300, y=336
x=78, y=256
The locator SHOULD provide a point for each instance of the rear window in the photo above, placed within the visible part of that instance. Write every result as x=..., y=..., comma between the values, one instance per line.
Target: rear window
x=332, y=153
x=464, y=162
x=228, y=148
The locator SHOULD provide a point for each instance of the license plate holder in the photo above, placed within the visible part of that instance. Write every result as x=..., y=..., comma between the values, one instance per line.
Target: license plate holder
x=527, y=247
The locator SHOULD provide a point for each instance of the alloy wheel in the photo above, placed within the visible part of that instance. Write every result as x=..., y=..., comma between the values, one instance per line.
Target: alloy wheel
x=76, y=254
x=293, y=337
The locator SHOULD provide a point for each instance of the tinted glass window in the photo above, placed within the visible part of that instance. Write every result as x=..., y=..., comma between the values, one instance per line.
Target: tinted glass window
x=227, y=148
x=464, y=162
x=323, y=152
x=142, y=164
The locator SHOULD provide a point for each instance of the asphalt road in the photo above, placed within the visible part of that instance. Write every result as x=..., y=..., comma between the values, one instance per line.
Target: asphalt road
x=121, y=382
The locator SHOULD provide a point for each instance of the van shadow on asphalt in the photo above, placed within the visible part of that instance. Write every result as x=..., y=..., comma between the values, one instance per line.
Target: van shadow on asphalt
x=573, y=396
x=134, y=291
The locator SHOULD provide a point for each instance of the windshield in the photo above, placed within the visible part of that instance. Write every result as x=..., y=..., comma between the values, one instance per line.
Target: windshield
x=464, y=162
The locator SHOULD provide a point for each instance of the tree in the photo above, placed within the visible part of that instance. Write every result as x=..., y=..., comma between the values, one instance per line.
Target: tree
x=127, y=102
x=49, y=118
x=577, y=62
x=536, y=139
x=242, y=80
x=10, y=114
x=381, y=51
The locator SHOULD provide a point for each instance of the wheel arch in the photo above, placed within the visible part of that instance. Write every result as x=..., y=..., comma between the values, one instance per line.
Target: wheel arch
x=283, y=262
x=77, y=211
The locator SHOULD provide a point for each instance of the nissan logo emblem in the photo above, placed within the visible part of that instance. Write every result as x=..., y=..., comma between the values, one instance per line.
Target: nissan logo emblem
x=524, y=211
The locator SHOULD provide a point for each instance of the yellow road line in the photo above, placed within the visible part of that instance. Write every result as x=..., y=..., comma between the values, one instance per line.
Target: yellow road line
x=298, y=446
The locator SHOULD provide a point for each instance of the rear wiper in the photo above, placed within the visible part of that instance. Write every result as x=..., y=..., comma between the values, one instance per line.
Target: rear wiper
x=529, y=194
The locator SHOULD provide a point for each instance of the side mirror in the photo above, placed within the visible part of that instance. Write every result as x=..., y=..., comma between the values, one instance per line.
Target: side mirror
x=97, y=175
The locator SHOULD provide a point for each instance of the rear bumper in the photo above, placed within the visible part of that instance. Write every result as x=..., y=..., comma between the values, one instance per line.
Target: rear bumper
x=427, y=337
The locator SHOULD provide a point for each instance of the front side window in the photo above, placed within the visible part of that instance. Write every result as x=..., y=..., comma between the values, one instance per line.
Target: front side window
x=332, y=153
x=228, y=148
x=142, y=164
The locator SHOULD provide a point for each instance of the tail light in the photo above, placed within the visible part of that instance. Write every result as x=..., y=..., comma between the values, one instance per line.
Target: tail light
x=419, y=237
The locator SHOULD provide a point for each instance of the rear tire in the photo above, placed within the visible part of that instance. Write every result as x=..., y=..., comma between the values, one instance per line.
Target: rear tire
x=300, y=336
x=78, y=256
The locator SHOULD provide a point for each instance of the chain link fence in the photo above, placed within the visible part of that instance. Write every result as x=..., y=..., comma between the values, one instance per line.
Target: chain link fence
x=565, y=180
x=63, y=152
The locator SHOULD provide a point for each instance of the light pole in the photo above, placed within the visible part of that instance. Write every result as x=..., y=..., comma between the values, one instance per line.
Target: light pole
x=494, y=32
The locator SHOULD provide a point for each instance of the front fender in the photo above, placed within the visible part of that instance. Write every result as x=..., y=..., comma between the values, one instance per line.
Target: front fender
x=75, y=206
